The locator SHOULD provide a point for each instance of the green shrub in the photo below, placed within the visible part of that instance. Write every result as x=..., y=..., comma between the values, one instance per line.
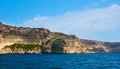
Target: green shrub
x=98, y=49
x=25, y=47
x=57, y=45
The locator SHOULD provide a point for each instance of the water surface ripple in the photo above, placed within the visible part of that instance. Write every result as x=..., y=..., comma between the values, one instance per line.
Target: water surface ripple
x=60, y=61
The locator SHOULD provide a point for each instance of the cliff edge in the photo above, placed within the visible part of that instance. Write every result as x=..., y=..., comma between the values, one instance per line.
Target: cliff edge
x=39, y=40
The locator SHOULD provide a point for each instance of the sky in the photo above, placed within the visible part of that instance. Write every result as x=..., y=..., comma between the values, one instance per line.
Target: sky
x=87, y=19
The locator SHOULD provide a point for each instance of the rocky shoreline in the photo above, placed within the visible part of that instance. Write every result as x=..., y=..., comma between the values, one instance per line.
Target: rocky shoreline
x=48, y=42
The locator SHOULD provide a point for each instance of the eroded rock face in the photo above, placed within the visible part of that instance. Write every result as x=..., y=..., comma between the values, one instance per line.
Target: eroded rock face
x=19, y=35
x=10, y=35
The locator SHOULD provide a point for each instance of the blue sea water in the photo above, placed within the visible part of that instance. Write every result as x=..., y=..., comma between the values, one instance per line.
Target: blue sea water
x=60, y=61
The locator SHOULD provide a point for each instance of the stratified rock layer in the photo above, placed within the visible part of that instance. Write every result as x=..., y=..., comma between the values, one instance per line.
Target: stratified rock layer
x=50, y=42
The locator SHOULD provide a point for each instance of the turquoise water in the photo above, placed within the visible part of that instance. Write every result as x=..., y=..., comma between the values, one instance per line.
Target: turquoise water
x=60, y=61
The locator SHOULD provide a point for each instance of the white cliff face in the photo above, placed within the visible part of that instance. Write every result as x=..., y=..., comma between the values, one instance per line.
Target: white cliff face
x=5, y=44
x=5, y=51
x=10, y=35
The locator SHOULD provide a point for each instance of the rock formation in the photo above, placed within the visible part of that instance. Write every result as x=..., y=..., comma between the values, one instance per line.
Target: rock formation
x=48, y=42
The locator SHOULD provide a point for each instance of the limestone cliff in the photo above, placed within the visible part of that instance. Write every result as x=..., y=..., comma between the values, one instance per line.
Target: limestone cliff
x=49, y=42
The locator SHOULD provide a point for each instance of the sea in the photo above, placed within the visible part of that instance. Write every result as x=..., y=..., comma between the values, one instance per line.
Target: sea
x=60, y=61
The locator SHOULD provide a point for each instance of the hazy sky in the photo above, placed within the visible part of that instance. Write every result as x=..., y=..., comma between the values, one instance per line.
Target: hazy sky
x=88, y=19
